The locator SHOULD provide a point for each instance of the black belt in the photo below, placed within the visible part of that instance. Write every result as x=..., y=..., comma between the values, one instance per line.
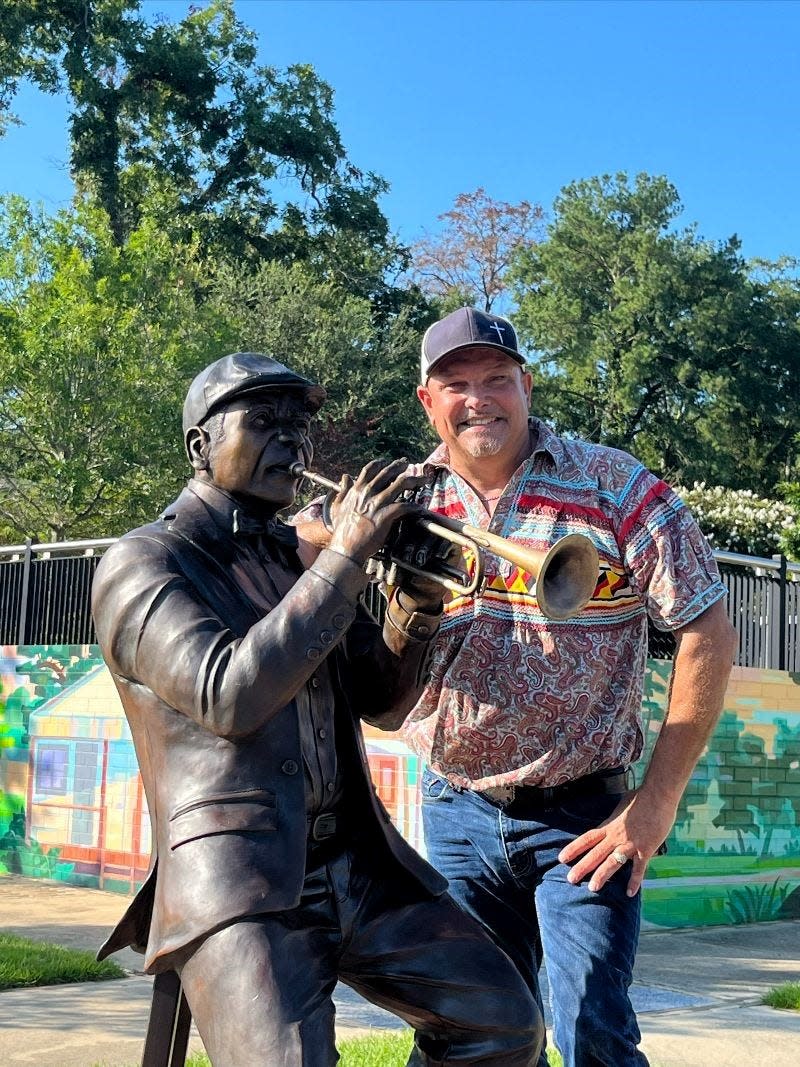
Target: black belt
x=325, y=838
x=323, y=827
x=519, y=801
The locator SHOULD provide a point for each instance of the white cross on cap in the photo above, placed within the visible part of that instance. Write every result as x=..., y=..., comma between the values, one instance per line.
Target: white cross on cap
x=500, y=331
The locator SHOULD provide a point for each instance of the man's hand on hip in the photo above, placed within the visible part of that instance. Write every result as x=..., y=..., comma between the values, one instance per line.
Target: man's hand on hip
x=633, y=834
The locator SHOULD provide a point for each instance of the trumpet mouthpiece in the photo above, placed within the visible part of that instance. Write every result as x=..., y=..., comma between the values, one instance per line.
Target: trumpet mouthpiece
x=297, y=470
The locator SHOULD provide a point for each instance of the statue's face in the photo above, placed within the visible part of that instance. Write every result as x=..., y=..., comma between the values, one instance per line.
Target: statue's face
x=260, y=436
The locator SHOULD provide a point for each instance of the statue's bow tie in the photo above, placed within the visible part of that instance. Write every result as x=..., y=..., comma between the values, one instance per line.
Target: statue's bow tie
x=244, y=525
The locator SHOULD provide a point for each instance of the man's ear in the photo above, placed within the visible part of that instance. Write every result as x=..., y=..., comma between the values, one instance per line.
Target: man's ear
x=197, y=447
x=424, y=396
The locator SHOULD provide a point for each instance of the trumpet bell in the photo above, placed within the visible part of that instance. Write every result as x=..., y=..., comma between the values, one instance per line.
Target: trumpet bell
x=567, y=577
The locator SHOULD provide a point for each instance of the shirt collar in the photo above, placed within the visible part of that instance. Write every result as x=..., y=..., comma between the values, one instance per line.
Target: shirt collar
x=235, y=519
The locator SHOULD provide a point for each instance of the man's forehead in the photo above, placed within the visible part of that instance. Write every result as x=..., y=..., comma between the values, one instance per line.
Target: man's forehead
x=470, y=359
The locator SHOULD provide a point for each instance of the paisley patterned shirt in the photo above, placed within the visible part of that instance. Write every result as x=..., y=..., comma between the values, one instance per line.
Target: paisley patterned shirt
x=516, y=698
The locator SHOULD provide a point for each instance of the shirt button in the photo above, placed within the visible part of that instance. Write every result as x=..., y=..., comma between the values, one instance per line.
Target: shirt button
x=339, y=621
x=312, y=653
x=290, y=766
x=322, y=733
x=423, y=630
x=325, y=636
x=330, y=787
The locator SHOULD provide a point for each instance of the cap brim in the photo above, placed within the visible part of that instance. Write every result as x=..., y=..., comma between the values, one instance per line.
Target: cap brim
x=315, y=394
x=516, y=356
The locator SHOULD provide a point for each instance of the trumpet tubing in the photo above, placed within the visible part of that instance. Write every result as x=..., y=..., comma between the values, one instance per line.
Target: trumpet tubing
x=565, y=575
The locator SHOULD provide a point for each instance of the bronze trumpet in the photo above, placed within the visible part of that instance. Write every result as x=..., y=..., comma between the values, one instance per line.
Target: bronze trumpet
x=566, y=574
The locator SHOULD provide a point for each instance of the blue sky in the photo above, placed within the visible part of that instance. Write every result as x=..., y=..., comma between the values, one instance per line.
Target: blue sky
x=443, y=96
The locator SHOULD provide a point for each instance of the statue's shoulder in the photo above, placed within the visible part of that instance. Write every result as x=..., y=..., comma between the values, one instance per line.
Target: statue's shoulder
x=153, y=540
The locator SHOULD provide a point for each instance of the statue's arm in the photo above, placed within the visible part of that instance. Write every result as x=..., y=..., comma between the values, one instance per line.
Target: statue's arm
x=155, y=629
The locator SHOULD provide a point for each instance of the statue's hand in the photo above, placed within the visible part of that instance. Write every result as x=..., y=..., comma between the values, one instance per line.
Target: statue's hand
x=365, y=510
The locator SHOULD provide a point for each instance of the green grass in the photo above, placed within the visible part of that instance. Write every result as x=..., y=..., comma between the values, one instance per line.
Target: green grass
x=784, y=996
x=33, y=963
x=380, y=1049
x=376, y=1050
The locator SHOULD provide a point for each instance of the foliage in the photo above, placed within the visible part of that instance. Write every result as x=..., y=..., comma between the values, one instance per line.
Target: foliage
x=790, y=535
x=24, y=962
x=331, y=337
x=786, y=995
x=661, y=343
x=756, y=903
x=737, y=520
x=179, y=120
x=97, y=344
x=467, y=262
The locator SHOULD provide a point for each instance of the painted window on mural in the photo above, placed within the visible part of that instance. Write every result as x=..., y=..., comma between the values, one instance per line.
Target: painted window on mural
x=52, y=769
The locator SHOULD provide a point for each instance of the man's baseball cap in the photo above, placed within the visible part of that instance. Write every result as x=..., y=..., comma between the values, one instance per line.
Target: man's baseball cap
x=467, y=328
x=238, y=374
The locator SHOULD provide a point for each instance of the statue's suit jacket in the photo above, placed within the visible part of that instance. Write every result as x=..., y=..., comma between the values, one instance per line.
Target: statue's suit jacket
x=212, y=688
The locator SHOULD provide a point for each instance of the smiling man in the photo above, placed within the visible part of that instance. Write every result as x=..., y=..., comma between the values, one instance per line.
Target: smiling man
x=243, y=676
x=528, y=725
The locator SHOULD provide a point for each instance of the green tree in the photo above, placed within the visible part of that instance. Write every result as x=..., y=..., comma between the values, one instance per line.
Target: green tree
x=331, y=336
x=656, y=341
x=790, y=493
x=179, y=120
x=97, y=345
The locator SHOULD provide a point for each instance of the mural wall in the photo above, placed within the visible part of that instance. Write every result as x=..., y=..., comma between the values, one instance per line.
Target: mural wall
x=72, y=805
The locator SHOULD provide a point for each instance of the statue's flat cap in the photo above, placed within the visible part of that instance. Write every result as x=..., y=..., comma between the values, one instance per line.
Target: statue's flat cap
x=238, y=374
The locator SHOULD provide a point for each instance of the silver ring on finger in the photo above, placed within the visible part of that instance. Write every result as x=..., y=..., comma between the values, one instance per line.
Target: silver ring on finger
x=619, y=857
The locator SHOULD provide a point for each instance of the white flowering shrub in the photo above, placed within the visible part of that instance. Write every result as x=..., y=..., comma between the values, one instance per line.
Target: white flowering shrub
x=790, y=491
x=736, y=520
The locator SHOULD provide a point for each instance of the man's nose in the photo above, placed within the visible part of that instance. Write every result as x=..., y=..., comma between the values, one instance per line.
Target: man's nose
x=477, y=398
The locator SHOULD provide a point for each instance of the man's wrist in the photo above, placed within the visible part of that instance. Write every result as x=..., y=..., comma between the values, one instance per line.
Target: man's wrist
x=419, y=621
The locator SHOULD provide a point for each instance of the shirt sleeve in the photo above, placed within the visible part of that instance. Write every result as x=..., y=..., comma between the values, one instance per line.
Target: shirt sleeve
x=669, y=562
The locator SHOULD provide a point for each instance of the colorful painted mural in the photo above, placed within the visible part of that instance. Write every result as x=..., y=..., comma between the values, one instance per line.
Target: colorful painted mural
x=72, y=805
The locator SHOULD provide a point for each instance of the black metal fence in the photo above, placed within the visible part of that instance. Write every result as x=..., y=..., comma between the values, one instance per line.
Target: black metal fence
x=45, y=595
x=45, y=592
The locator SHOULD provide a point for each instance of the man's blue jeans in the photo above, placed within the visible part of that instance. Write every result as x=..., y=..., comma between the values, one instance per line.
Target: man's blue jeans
x=505, y=872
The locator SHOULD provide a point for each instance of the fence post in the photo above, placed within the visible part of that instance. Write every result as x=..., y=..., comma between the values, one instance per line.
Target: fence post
x=781, y=620
x=25, y=595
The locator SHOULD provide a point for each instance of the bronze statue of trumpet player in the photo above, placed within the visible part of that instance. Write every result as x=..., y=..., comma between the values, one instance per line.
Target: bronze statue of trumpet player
x=276, y=871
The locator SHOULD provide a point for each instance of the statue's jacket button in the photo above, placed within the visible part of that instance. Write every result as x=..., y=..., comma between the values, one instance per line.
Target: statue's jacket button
x=290, y=766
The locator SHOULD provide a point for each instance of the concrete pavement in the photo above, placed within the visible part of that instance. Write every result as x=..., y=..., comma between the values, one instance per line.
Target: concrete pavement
x=696, y=991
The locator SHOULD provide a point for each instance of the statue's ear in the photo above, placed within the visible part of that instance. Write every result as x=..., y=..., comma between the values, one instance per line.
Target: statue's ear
x=197, y=447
